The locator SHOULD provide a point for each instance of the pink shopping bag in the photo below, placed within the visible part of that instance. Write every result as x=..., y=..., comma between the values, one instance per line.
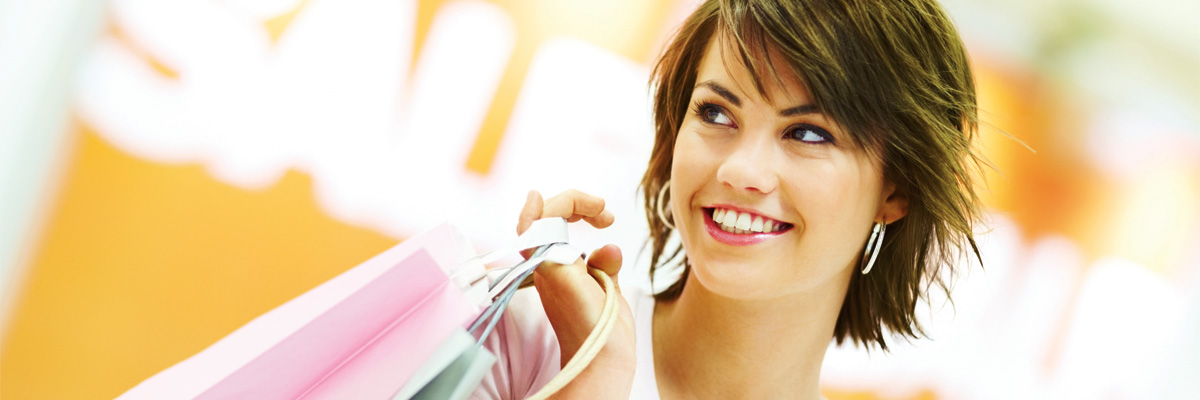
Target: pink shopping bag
x=359, y=335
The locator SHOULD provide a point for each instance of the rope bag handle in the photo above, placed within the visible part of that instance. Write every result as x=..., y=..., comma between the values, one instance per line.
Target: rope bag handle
x=594, y=342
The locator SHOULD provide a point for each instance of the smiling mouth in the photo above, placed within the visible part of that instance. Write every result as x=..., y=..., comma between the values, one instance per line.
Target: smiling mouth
x=743, y=223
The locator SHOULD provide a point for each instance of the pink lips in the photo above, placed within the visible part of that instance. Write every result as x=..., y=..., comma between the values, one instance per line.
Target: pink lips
x=734, y=239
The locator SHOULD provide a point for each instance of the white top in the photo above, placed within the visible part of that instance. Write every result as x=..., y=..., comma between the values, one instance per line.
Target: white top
x=528, y=356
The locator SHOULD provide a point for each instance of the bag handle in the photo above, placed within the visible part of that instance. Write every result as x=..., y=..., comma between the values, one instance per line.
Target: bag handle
x=594, y=342
x=549, y=236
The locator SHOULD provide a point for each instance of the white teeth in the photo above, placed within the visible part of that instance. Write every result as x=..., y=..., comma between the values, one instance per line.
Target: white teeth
x=743, y=223
x=730, y=218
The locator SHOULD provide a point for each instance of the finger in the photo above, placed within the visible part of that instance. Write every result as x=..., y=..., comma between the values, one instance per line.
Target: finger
x=573, y=203
x=531, y=212
x=607, y=259
x=604, y=220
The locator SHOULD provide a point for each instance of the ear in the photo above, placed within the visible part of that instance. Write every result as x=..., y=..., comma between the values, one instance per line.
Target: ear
x=893, y=203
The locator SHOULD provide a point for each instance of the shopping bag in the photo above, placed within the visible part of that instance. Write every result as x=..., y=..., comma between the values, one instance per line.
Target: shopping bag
x=376, y=331
x=456, y=381
x=454, y=350
x=364, y=331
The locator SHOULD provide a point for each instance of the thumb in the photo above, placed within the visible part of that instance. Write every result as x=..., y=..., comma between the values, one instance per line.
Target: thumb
x=532, y=211
x=607, y=259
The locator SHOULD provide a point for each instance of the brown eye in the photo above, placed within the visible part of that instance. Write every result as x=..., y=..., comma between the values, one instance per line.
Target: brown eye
x=713, y=114
x=808, y=134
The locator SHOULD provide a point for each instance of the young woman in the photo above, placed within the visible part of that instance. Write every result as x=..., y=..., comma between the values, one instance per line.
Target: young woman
x=814, y=158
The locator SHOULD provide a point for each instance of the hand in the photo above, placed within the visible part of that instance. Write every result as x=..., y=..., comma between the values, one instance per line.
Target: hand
x=573, y=300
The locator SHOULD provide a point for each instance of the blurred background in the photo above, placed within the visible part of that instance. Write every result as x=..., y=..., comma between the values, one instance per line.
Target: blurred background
x=171, y=169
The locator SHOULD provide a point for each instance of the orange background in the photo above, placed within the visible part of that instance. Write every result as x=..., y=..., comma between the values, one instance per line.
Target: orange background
x=140, y=264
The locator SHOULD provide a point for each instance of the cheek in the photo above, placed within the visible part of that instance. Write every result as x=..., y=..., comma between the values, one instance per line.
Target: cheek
x=834, y=196
x=691, y=161
x=835, y=206
x=693, y=166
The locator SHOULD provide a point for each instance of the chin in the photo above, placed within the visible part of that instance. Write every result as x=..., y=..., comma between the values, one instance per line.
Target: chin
x=735, y=280
x=763, y=279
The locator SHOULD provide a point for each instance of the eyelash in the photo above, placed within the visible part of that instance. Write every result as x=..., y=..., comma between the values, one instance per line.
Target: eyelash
x=701, y=109
x=826, y=138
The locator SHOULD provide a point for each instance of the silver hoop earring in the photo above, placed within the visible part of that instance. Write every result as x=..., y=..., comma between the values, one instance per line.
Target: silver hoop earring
x=873, y=246
x=662, y=216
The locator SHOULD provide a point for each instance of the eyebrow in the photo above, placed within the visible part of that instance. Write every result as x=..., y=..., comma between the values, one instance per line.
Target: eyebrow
x=800, y=110
x=729, y=96
x=721, y=91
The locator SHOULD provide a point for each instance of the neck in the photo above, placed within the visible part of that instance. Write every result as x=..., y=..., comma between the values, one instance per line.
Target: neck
x=710, y=346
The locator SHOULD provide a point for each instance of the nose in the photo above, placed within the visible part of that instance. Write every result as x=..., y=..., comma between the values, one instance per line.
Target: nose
x=749, y=165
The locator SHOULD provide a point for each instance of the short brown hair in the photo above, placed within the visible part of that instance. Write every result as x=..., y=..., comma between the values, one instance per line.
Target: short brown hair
x=895, y=75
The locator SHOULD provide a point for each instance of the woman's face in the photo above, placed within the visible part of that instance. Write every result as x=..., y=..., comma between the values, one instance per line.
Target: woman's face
x=770, y=197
